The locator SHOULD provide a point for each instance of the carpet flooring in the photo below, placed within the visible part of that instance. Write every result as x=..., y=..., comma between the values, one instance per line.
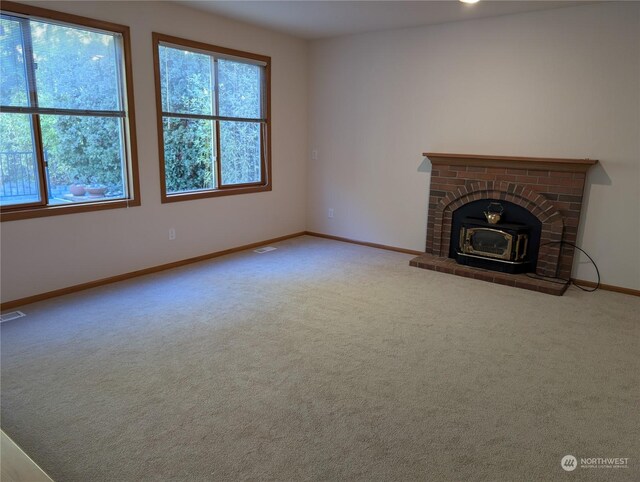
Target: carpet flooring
x=322, y=361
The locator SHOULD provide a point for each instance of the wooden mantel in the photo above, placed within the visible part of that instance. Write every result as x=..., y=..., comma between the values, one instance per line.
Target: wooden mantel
x=511, y=162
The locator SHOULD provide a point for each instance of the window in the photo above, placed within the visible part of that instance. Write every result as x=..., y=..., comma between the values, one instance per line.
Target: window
x=213, y=119
x=67, y=140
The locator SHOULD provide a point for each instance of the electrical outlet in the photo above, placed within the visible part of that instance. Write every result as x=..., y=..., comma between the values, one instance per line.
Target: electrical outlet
x=314, y=155
x=172, y=234
x=330, y=213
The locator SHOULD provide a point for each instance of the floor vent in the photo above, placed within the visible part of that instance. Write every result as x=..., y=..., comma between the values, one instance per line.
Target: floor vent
x=266, y=249
x=11, y=316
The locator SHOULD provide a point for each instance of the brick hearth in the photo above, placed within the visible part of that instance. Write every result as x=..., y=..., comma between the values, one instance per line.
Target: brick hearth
x=449, y=265
x=551, y=189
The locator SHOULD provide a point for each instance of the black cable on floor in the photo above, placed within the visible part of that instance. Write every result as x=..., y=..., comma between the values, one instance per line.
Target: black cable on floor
x=562, y=280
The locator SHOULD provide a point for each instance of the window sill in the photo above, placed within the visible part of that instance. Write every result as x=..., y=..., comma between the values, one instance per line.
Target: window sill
x=228, y=191
x=14, y=214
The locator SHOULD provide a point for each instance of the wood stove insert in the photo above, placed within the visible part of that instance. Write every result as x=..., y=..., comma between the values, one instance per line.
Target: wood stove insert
x=509, y=244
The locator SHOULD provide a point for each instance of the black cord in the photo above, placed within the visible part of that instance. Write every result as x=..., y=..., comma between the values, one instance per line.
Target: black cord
x=562, y=280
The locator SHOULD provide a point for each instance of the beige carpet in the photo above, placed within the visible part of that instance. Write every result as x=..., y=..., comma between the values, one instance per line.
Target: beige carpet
x=322, y=361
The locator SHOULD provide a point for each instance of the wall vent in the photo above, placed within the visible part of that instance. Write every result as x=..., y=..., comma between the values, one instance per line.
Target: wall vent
x=266, y=249
x=11, y=316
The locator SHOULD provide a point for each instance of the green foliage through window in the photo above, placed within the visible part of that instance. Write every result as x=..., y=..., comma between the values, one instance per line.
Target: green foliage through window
x=213, y=119
x=77, y=85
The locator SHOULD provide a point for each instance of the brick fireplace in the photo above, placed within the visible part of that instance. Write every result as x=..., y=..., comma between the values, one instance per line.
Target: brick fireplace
x=550, y=189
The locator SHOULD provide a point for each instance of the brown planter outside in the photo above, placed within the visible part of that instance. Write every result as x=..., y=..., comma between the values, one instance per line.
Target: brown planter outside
x=77, y=190
x=96, y=191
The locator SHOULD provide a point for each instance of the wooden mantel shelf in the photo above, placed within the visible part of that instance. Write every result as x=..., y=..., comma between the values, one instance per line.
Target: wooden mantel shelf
x=511, y=162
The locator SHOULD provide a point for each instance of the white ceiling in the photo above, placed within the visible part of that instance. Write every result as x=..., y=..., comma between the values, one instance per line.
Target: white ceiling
x=311, y=19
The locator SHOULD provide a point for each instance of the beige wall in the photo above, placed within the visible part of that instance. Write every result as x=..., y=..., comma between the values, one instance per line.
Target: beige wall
x=555, y=83
x=561, y=83
x=44, y=254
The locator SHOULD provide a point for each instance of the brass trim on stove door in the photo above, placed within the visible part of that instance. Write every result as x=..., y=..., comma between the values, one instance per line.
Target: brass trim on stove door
x=520, y=254
x=468, y=247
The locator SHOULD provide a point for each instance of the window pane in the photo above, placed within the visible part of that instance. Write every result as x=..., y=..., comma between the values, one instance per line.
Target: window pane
x=75, y=68
x=86, y=152
x=189, y=157
x=239, y=89
x=240, y=152
x=185, y=79
x=19, y=182
x=13, y=83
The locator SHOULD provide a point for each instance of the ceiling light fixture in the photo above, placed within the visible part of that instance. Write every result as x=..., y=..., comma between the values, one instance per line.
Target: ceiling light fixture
x=469, y=1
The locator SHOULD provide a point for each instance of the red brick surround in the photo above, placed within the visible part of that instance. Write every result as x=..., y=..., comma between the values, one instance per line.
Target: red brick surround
x=551, y=189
